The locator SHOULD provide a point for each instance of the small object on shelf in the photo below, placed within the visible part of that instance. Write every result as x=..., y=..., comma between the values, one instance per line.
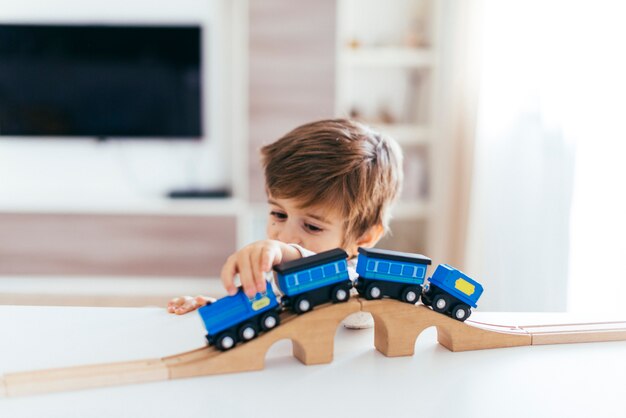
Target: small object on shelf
x=390, y=273
x=415, y=35
x=415, y=175
x=354, y=43
x=354, y=113
x=452, y=292
x=385, y=115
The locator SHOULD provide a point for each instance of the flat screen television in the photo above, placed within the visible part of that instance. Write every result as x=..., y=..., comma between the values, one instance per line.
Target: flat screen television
x=103, y=81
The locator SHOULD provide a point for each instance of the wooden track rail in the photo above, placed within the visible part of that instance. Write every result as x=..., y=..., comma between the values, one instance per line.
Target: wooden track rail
x=397, y=326
x=312, y=336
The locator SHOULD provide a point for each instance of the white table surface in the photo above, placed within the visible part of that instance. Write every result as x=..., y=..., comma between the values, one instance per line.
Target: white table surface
x=576, y=380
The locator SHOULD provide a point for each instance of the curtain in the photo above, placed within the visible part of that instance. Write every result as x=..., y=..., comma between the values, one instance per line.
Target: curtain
x=528, y=188
x=598, y=222
x=520, y=202
x=458, y=71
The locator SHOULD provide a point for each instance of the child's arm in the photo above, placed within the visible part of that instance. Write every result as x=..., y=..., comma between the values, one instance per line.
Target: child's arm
x=252, y=261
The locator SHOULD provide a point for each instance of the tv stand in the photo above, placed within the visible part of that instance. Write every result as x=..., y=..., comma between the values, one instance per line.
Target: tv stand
x=199, y=194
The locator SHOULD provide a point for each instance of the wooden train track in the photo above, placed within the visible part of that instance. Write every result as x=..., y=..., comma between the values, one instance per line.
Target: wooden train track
x=313, y=343
x=397, y=326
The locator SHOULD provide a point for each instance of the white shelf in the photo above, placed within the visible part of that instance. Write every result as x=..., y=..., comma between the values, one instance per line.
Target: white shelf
x=418, y=209
x=109, y=285
x=388, y=57
x=383, y=75
x=405, y=133
x=150, y=206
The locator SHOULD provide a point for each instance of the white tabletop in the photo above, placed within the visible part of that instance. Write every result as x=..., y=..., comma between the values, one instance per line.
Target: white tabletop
x=577, y=380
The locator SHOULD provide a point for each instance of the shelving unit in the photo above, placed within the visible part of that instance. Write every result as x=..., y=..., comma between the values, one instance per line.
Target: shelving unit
x=388, y=57
x=386, y=77
x=85, y=208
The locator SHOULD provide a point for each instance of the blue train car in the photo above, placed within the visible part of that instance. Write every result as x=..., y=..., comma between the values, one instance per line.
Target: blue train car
x=236, y=318
x=390, y=273
x=452, y=292
x=314, y=280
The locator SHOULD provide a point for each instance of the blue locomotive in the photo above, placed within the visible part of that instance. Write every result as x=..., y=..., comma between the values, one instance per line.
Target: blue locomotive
x=452, y=292
x=314, y=280
x=236, y=318
x=390, y=273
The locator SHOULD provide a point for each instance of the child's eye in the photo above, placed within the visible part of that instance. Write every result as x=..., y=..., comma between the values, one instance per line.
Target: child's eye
x=278, y=215
x=312, y=228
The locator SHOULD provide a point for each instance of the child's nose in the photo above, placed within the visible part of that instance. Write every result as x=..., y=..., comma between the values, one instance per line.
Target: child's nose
x=290, y=236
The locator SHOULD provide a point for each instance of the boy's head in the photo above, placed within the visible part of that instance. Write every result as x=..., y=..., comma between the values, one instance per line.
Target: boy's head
x=339, y=170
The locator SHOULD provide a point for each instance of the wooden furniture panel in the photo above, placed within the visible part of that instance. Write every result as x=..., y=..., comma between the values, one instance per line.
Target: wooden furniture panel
x=114, y=245
x=292, y=72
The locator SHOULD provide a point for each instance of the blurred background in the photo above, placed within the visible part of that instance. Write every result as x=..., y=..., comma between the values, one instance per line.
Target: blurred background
x=130, y=131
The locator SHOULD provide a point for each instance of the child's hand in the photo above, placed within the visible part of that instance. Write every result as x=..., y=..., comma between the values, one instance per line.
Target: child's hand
x=186, y=304
x=252, y=261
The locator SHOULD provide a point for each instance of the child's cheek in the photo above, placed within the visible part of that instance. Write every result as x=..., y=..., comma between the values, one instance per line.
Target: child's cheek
x=270, y=231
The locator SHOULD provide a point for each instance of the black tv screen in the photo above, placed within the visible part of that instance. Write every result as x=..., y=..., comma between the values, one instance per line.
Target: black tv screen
x=101, y=81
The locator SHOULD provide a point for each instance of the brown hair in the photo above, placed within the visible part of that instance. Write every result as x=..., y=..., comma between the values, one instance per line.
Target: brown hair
x=339, y=163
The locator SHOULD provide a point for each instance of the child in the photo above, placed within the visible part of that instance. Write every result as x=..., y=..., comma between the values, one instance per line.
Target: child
x=329, y=184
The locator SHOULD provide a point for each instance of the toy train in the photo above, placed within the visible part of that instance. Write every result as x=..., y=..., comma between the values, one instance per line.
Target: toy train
x=305, y=282
x=451, y=292
x=238, y=318
x=314, y=280
x=324, y=278
x=390, y=273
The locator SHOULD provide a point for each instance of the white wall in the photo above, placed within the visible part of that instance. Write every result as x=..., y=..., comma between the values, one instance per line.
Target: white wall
x=36, y=174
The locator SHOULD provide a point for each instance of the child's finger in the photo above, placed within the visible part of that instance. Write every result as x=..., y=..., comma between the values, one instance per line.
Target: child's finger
x=246, y=276
x=258, y=269
x=227, y=275
x=187, y=305
x=173, y=304
x=266, y=259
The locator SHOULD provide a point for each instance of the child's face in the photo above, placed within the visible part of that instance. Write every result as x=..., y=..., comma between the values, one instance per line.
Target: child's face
x=316, y=229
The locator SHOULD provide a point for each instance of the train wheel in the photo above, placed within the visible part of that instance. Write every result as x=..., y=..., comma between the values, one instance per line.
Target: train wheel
x=270, y=320
x=461, y=312
x=247, y=331
x=441, y=303
x=373, y=291
x=225, y=341
x=340, y=293
x=302, y=305
x=411, y=294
